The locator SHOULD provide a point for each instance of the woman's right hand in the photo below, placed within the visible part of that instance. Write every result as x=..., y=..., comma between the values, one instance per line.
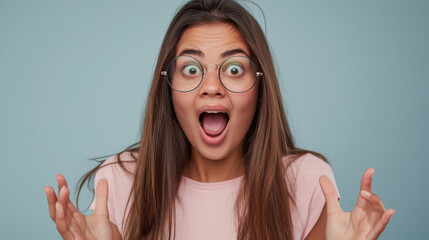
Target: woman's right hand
x=71, y=224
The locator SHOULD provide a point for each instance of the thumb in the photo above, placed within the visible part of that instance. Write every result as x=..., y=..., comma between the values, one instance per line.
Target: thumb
x=101, y=193
x=330, y=194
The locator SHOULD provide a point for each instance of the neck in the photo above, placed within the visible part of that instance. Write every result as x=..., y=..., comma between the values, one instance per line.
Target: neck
x=202, y=169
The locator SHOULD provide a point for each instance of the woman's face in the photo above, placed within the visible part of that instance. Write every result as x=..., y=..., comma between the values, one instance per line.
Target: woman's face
x=214, y=119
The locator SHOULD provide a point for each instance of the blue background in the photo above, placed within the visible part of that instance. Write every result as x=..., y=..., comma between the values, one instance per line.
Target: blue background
x=74, y=76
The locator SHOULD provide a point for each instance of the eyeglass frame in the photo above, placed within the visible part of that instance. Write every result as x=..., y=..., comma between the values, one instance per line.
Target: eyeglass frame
x=164, y=73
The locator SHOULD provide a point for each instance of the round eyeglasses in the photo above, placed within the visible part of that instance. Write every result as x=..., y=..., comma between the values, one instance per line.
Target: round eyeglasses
x=237, y=74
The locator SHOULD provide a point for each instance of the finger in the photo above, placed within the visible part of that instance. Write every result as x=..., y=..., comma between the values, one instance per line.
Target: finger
x=61, y=222
x=101, y=193
x=68, y=205
x=63, y=196
x=366, y=186
x=61, y=181
x=381, y=224
x=72, y=211
x=374, y=201
x=366, y=183
x=71, y=207
x=52, y=199
x=330, y=194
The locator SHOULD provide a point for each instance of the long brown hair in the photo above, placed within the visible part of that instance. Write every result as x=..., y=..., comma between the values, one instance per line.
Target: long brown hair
x=264, y=201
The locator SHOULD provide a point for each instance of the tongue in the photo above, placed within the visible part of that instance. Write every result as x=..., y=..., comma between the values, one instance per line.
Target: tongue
x=214, y=123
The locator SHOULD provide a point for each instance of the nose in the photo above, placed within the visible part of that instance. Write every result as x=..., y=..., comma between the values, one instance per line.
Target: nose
x=211, y=85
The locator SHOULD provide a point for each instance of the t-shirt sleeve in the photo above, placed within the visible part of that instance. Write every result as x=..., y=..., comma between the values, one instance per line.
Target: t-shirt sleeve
x=308, y=195
x=120, y=180
x=98, y=175
x=106, y=173
x=317, y=200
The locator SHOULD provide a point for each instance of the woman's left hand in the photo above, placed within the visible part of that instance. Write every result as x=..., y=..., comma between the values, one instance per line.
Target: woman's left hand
x=367, y=220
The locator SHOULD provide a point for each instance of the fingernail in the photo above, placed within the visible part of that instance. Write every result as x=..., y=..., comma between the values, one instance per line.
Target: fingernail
x=57, y=206
x=365, y=194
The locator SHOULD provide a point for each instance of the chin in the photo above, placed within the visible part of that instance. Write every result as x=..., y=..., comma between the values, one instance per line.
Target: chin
x=216, y=153
x=212, y=154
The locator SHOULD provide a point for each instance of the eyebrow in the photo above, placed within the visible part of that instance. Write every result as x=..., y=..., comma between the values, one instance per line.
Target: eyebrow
x=225, y=54
x=233, y=52
x=191, y=52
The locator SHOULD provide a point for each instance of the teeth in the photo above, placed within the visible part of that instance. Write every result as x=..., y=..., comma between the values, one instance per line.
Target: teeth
x=214, y=112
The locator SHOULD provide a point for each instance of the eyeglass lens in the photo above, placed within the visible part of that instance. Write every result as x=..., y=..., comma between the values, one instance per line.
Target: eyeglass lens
x=237, y=74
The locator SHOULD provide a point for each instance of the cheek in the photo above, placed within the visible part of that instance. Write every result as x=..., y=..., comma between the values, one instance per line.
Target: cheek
x=178, y=106
x=181, y=105
x=246, y=108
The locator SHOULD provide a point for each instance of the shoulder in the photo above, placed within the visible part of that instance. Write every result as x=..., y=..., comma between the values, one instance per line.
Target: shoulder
x=118, y=166
x=303, y=173
x=123, y=156
x=128, y=159
x=306, y=167
x=306, y=161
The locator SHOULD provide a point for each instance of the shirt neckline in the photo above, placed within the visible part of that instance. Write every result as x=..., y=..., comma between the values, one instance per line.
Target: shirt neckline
x=212, y=185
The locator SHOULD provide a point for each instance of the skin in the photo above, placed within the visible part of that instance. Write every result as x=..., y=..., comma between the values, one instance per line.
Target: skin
x=71, y=224
x=222, y=161
x=367, y=221
x=214, y=162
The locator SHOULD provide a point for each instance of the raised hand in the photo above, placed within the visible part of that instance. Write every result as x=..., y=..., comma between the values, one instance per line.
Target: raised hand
x=368, y=219
x=71, y=224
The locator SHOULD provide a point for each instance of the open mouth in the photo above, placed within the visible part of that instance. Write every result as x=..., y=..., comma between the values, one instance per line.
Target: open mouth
x=213, y=122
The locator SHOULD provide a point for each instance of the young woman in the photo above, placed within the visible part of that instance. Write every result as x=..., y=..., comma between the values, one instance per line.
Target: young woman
x=216, y=158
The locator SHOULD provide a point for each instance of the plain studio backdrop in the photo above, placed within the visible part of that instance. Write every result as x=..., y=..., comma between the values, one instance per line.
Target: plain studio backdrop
x=74, y=77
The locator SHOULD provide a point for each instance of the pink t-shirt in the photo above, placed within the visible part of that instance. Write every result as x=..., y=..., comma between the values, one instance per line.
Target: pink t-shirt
x=206, y=210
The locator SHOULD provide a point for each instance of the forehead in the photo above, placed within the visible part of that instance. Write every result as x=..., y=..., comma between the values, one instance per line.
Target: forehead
x=212, y=40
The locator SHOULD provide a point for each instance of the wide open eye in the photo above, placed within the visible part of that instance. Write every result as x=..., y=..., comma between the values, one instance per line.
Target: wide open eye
x=191, y=70
x=234, y=69
x=238, y=74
